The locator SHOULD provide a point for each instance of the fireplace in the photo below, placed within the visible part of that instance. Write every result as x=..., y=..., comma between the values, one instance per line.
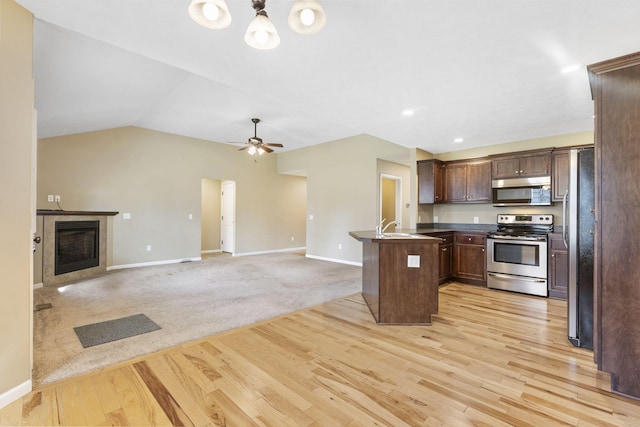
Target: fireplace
x=77, y=245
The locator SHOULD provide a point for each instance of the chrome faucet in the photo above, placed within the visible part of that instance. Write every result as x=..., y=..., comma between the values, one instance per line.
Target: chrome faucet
x=380, y=230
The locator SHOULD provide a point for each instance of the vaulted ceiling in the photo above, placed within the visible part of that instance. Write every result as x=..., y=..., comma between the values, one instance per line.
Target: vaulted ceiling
x=487, y=71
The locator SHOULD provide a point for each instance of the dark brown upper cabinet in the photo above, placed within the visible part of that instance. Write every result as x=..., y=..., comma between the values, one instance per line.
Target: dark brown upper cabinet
x=521, y=165
x=431, y=181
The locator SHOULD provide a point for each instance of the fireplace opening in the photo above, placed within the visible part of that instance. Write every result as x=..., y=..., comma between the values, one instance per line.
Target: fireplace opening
x=77, y=245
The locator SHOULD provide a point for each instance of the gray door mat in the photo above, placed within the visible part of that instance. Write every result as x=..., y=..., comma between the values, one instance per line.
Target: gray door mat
x=113, y=330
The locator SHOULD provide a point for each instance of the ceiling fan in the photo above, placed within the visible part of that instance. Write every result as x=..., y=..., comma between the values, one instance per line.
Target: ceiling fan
x=255, y=144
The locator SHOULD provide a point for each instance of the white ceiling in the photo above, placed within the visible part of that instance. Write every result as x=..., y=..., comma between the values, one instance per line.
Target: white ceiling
x=484, y=70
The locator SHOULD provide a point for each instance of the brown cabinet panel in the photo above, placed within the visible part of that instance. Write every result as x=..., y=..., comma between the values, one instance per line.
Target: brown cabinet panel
x=537, y=165
x=505, y=168
x=558, y=267
x=468, y=182
x=521, y=166
x=430, y=182
x=456, y=183
x=446, y=263
x=470, y=258
x=560, y=177
x=615, y=85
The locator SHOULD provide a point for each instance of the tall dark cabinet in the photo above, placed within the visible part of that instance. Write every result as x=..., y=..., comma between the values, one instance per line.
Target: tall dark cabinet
x=615, y=87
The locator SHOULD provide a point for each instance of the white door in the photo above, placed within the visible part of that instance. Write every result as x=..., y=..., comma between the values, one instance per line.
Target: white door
x=228, y=220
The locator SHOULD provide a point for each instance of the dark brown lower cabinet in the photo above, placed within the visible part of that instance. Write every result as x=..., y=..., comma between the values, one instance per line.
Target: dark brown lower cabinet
x=558, y=267
x=470, y=259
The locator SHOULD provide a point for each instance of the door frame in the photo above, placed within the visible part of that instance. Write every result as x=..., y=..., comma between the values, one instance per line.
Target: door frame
x=398, y=201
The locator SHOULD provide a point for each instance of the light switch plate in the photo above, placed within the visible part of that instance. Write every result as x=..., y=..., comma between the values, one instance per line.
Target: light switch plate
x=413, y=261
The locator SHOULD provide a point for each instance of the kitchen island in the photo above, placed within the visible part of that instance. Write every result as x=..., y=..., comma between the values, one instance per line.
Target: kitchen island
x=399, y=276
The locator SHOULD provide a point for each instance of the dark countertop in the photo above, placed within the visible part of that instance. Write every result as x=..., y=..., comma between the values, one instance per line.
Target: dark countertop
x=372, y=236
x=449, y=230
x=74, y=213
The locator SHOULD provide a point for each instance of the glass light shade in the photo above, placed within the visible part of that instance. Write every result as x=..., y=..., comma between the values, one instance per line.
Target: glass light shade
x=252, y=150
x=203, y=12
x=261, y=33
x=261, y=151
x=302, y=21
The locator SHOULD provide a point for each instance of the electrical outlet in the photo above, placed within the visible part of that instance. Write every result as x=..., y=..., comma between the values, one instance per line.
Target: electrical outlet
x=310, y=217
x=435, y=219
x=57, y=198
x=292, y=239
x=126, y=215
x=50, y=198
x=413, y=261
x=340, y=246
x=190, y=216
x=148, y=248
x=476, y=220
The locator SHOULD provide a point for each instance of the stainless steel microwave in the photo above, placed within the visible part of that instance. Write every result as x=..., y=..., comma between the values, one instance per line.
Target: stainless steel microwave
x=534, y=191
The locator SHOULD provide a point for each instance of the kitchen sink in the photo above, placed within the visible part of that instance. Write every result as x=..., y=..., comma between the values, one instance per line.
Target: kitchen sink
x=400, y=236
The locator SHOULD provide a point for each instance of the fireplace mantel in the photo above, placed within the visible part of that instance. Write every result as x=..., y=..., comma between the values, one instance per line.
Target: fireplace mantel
x=87, y=213
x=47, y=222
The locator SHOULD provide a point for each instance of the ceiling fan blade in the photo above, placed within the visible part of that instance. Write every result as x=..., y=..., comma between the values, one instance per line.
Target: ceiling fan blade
x=274, y=145
x=243, y=148
x=267, y=149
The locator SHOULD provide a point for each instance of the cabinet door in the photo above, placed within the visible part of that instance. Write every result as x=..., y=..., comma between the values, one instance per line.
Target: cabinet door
x=479, y=182
x=430, y=182
x=558, y=267
x=439, y=194
x=426, y=181
x=456, y=183
x=537, y=165
x=471, y=261
x=446, y=262
x=560, y=177
x=508, y=167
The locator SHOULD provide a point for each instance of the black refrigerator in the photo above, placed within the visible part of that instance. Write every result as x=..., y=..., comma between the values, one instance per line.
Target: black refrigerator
x=578, y=229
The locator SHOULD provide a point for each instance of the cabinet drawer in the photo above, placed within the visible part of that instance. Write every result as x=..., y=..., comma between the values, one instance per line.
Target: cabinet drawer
x=471, y=239
x=447, y=238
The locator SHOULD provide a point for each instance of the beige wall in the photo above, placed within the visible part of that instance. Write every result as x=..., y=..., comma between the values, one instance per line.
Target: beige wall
x=16, y=160
x=342, y=191
x=210, y=215
x=157, y=178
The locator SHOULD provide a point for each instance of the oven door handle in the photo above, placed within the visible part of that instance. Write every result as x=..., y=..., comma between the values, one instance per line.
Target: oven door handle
x=524, y=279
x=522, y=239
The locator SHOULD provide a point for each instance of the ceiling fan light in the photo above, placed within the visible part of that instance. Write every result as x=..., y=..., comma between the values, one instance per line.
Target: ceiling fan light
x=252, y=150
x=261, y=33
x=307, y=17
x=261, y=151
x=212, y=14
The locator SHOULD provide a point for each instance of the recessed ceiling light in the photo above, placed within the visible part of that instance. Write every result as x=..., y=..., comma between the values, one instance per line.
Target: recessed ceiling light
x=458, y=140
x=408, y=113
x=571, y=68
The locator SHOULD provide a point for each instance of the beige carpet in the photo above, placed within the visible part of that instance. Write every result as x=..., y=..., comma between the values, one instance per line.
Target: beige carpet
x=188, y=301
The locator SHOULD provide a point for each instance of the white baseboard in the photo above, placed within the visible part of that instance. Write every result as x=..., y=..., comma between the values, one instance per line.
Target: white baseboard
x=270, y=252
x=148, y=264
x=211, y=251
x=15, y=393
x=339, y=261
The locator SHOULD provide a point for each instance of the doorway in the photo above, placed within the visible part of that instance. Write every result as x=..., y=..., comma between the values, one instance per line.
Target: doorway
x=228, y=216
x=390, y=200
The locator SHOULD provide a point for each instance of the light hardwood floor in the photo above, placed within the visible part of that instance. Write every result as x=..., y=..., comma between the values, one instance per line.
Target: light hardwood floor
x=490, y=358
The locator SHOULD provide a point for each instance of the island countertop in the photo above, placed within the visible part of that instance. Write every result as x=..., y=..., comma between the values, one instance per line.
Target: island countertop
x=371, y=235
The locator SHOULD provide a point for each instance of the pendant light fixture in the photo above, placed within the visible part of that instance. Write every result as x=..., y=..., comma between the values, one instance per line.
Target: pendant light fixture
x=261, y=33
x=306, y=17
x=212, y=14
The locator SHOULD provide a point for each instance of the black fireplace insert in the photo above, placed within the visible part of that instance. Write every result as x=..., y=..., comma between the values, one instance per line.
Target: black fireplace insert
x=77, y=245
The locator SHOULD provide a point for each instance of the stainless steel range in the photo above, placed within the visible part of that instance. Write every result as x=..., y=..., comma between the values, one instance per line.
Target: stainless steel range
x=517, y=254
